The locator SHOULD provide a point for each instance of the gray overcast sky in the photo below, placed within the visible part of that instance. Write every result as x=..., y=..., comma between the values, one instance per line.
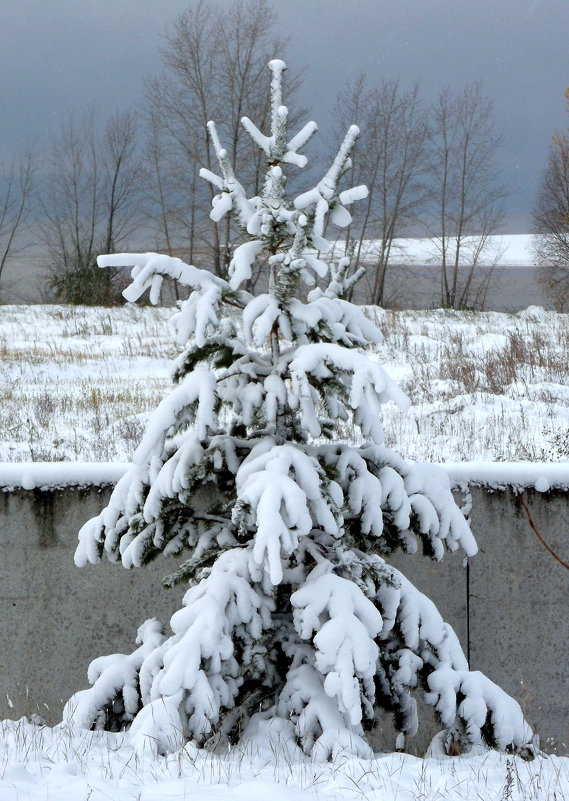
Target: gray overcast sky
x=58, y=55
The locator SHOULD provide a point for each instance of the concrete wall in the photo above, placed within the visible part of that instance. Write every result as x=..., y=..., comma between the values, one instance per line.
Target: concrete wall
x=509, y=608
x=56, y=618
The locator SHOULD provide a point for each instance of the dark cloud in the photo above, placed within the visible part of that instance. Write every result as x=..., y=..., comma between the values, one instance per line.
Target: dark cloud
x=57, y=55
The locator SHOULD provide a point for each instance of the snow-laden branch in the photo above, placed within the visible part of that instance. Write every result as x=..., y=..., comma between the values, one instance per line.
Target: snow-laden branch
x=340, y=284
x=467, y=701
x=366, y=382
x=148, y=270
x=200, y=312
x=280, y=497
x=232, y=194
x=321, y=728
x=241, y=265
x=114, y=678
x=344, y=623
x=275, y=147
x=197, y=388
x=197, y=665
x=323, y=197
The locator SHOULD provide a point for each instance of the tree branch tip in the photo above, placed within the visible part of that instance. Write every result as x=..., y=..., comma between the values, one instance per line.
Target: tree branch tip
x=277, y=65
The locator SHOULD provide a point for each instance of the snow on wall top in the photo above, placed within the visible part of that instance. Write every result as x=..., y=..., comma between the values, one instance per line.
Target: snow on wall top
x=53, y=475
x=541, y=476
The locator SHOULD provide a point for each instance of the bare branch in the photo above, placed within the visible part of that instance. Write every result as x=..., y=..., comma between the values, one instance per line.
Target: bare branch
x=90, y=204
x=465, y=196
x=551, y=220
x=18, y=186
x=390, y=158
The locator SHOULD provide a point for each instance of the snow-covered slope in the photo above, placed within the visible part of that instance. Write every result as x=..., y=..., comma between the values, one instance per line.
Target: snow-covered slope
x=506, y=250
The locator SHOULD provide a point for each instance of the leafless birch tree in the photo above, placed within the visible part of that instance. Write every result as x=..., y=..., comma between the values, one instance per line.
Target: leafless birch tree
x=390, y=158
x=466, y=197
x=17, y=186
x=90, y=205
x=551, y=220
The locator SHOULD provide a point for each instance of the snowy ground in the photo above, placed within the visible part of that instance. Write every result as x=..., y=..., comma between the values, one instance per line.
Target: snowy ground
x=77, y=383
x=38, y=763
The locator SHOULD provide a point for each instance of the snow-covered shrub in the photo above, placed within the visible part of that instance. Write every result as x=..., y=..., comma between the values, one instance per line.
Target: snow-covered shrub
x=292, y=611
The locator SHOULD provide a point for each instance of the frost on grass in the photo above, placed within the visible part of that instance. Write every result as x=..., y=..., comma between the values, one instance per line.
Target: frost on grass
x=77, y=385
x=292, y=613
x=39, y=763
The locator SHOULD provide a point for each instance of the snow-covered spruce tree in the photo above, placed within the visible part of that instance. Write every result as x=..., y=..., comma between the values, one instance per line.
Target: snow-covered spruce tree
x=292, y=615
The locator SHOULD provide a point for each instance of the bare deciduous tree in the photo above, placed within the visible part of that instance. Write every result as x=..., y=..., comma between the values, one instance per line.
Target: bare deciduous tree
x=17, y=186
x=391, y=159
x=466, y=199
x=551, y=220
x=214, y=59
x=90, y=205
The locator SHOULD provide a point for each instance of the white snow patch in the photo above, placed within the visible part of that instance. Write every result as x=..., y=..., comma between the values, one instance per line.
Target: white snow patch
x=39, y=763
x=38, y=475
x=542, y=476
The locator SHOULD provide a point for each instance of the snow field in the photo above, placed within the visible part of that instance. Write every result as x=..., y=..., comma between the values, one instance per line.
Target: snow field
x=484, y=386
x=39, y=763
x=77, y=383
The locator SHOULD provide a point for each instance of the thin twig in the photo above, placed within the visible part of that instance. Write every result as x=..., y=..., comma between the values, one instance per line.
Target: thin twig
x=538, y=535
